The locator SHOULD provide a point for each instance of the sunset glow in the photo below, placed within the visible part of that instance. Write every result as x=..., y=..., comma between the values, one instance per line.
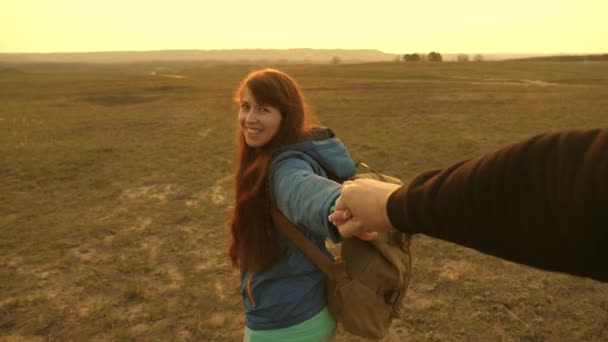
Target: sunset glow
x=471, y=26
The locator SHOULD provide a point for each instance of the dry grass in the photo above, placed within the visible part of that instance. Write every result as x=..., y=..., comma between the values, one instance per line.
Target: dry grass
x=116, y=189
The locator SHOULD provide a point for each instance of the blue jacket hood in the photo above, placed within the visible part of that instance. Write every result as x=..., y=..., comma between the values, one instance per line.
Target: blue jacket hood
x=322, y=145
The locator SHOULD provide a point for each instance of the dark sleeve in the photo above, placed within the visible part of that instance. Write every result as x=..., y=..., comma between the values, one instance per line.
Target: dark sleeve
x=542, y=202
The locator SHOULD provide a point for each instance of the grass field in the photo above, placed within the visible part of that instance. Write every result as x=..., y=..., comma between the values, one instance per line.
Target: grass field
x=115, y=189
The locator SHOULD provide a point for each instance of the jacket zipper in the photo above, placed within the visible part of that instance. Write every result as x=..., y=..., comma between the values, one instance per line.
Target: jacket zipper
x=249, y=290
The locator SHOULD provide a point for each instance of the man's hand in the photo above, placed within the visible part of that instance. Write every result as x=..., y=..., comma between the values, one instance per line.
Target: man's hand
x=361, y=208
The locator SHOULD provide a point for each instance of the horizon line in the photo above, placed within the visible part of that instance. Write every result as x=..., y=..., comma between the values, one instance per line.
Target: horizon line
x=285, y=49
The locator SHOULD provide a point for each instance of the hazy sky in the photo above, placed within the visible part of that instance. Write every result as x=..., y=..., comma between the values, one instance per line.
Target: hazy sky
x=400, y=26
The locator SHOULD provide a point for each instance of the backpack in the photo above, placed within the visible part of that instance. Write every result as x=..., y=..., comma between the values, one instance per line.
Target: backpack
x=368, y=280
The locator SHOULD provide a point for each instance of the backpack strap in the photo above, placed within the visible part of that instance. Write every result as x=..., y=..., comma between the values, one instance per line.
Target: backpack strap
x=311, y=251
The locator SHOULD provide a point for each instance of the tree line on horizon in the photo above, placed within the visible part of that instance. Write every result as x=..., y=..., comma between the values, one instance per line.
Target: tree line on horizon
x=434, y=56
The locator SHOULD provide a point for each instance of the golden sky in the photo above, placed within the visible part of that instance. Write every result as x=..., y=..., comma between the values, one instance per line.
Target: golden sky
x=395, y=26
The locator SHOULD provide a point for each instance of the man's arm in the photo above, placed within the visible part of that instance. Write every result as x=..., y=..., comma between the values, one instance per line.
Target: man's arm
x=542, y=202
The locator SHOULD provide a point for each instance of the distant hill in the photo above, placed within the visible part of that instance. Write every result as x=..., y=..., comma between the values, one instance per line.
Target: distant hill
x=237, y=55
x=261, y=55
x=567, y=58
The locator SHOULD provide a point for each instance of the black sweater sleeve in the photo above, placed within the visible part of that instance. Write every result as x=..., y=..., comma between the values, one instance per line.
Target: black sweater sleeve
x=542, y=202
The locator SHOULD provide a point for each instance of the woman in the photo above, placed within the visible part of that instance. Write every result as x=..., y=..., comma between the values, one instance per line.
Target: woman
x=279, y=160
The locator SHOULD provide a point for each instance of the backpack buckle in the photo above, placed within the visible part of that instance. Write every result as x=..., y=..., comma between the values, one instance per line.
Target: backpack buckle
x=394, y=237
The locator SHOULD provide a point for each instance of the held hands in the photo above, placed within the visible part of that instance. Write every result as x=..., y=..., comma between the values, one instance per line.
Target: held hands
x=361, y=208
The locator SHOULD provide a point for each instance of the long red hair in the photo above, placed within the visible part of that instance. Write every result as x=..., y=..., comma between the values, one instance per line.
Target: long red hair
x=254, y=243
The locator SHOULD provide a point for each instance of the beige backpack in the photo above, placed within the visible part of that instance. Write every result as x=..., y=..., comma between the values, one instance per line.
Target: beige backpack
x=368, y=280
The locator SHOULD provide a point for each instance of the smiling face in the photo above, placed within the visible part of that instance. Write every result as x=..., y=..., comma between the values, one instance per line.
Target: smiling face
x=259, y=123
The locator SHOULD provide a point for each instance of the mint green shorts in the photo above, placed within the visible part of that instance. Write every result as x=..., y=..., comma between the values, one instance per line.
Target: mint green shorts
x=320, y=327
